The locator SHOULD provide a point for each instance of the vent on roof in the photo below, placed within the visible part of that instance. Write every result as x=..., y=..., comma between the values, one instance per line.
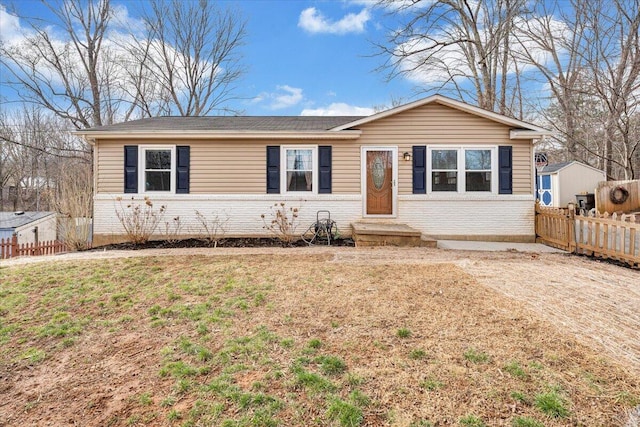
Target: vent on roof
x=19, y=213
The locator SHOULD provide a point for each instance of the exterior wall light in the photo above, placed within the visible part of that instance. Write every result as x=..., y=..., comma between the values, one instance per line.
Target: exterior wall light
x=406, y=156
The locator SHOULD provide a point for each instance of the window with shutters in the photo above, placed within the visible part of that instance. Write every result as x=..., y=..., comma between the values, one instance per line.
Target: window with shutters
x=299, y=169
x=462, y=169
x=157, y=169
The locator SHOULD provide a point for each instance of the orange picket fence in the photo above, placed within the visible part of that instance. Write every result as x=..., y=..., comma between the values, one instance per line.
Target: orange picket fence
x=10, y=248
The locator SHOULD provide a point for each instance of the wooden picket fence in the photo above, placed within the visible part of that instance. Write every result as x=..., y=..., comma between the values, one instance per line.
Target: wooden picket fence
x=603, y=236
x=10, y=248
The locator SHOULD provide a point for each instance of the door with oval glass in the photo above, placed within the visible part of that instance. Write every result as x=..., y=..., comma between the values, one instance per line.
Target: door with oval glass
x=379, y=181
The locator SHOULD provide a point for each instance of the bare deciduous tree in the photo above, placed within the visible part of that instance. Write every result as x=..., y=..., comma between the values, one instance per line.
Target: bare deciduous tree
x=452, y=42
x=72, y=198
x=62, y=77
x=192, y=51
x=35, y=148
x=591, y=64
x=615, y=61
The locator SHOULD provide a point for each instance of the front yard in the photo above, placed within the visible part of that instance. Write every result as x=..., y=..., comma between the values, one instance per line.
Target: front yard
x=299, y=337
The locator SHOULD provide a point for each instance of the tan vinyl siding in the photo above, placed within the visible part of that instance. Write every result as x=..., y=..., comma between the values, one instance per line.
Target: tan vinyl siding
x=229, y=167
x=239, y=166
x=110, y=167
x=436, y=124
x=522, y=172
x=345, y=168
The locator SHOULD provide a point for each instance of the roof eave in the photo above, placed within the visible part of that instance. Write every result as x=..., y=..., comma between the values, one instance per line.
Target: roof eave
x=91, y=136
x=528, y=134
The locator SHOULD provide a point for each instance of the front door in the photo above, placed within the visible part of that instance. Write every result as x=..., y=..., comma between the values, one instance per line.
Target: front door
x=380, y=181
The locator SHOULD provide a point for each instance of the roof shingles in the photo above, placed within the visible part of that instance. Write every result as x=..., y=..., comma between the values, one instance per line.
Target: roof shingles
x=231, y=124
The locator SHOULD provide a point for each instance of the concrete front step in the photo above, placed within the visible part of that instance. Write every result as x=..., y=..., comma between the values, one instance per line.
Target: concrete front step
x=389, y=234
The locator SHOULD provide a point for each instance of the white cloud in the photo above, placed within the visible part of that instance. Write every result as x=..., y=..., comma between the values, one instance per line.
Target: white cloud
x=10, y=30
x=285, y=96
x=313, y=21
x=290, y=97
x=123, y=20
x=338, y=109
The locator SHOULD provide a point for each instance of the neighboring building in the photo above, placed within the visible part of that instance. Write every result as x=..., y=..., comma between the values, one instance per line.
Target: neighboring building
x=30, y=227
x=558, y=183
x=444, y=167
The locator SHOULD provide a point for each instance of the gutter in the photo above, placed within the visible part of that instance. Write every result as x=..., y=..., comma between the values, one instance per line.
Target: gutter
x=91, y=136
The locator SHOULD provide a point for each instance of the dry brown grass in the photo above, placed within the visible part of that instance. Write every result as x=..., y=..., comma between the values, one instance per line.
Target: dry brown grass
x=354, y=309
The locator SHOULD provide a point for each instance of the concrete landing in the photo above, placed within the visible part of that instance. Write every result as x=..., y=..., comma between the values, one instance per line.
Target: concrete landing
x=389, y=234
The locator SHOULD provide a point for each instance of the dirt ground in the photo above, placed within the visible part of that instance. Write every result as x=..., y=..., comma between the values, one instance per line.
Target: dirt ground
x=597, y=302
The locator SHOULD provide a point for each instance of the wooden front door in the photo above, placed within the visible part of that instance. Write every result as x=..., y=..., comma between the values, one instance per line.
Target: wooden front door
x=379, y=171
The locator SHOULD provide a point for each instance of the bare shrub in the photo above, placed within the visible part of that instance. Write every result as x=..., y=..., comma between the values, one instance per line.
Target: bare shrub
x=213, y=227
x=282, y=221
x=72, y=199
x=172, y=230
x=139, y=221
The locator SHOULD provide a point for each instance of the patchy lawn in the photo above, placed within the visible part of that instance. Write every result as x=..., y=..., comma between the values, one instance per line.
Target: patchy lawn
x=288, y=340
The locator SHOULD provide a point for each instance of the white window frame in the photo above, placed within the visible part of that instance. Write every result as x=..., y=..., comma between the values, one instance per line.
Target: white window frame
x=461, y=170
x=314, y=168
x=142, y=168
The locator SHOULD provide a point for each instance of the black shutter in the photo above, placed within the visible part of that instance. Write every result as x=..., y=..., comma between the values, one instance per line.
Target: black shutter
x=273, y=169
x=505, y=169
x=419, y=169
x=130, y=168
x=182, y=168
x=324, y=169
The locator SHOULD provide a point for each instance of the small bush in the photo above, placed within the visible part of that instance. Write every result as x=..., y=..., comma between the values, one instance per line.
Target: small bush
x=139, y=221
x=213, y=227
x=282, y=222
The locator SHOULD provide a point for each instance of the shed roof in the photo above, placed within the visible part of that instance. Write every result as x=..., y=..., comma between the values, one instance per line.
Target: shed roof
x=12, y=220
x=553, y=167
x=556, y=167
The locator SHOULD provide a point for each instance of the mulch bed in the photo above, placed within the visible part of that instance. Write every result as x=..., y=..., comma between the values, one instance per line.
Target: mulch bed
x=223, y=243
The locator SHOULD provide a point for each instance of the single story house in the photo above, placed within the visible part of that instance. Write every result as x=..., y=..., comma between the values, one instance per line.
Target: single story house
x=443, y=167
x=29, y=227
x=559, y=183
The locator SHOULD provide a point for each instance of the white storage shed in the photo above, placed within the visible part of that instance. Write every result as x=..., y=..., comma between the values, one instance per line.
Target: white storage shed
x=30, y=227
x=558, y=183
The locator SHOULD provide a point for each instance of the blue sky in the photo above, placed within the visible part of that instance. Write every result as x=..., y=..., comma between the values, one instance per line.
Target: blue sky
x=302, y=57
